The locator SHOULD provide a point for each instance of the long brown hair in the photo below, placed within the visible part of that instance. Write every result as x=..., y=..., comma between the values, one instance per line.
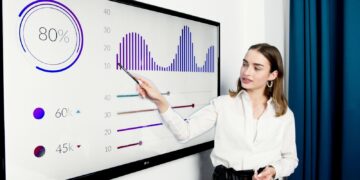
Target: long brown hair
x=272, y=54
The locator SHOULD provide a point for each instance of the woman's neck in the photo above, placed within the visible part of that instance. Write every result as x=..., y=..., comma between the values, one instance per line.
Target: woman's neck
x=258, y=102
x=257, y=97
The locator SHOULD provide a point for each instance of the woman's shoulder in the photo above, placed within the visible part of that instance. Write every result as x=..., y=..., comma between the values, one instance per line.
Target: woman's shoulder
x=288, y=116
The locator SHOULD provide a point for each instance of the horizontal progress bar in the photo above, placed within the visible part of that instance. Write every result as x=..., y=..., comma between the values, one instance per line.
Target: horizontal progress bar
x=139, y=127
x=147, y=110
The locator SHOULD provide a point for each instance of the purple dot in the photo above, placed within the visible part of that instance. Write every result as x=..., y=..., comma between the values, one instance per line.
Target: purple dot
x=39, y=151
x=39, y=113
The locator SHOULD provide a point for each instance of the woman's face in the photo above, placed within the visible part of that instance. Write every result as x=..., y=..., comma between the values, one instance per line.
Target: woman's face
x=255, y=71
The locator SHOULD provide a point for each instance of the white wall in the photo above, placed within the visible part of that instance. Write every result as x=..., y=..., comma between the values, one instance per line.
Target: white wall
x=243, y=23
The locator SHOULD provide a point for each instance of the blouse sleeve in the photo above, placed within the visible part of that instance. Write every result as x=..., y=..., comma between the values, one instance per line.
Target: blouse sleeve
x=289, y=161
x=198, y=123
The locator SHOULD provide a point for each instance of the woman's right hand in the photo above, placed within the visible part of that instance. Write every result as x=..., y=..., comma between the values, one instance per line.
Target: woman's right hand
x=147, y=90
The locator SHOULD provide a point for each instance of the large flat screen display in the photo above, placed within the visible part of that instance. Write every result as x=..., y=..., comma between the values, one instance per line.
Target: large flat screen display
x=71, y=111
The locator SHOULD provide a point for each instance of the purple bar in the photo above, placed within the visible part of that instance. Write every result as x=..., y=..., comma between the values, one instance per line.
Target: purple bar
x=172, y=65
x=182, y=51
x=186, y=49
x=123, y=53
x=178, y=68
x=117, y=62
x=138, y=52
x=129, y=47
x=212, y=59
x=135, y=51
x=142, y=54
x=192, y=58
x=143, y=59
x=176, y=58
x=189, y=50
x=120, y=55
x=207, y=61
x=147, y=58
x=132, y=50
x=151, y=63
x=195, y=65
x=127, y=52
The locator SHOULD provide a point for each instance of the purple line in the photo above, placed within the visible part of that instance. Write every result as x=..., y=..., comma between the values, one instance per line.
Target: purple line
x=123, y=53
x=182, y=50
x=143, y=59
x=195, y=65
x=120, y=53
x=141, y=53
x=146, y=60
x=138, y=53
x=127, y=51
x=149, y=61
x=187, y=49
x=179, y=56
x=208, y=62
x=192, y=57
x=130, y=51
x=117, y=62
x=177, y=59
x=139, y=127
x=134, y=51
x=151, y=64
x=212, y=59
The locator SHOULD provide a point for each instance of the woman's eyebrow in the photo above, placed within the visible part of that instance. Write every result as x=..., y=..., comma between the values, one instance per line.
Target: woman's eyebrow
x=257, y=64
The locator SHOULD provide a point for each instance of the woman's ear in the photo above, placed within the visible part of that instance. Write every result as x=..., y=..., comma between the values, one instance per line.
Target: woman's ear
x=273, y=75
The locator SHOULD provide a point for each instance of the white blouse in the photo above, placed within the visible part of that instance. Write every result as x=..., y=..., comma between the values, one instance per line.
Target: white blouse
x=241, y=142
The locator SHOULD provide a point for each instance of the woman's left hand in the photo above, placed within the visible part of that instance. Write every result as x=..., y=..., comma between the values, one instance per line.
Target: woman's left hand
x=267, y=174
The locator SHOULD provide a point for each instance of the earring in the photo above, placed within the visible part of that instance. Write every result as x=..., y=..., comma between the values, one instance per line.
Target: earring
x=270, y=85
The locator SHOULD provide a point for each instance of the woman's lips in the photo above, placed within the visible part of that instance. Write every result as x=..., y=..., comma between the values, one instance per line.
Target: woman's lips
x=246, y=80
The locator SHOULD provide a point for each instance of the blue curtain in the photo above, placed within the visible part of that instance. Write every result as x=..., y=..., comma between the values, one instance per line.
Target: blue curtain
x=324, y=87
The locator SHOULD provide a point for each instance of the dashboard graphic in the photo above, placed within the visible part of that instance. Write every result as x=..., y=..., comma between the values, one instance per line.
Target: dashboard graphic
x=70, y=111
x=64, y=36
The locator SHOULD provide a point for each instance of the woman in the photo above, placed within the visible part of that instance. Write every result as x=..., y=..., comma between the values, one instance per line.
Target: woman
x=254, y=127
